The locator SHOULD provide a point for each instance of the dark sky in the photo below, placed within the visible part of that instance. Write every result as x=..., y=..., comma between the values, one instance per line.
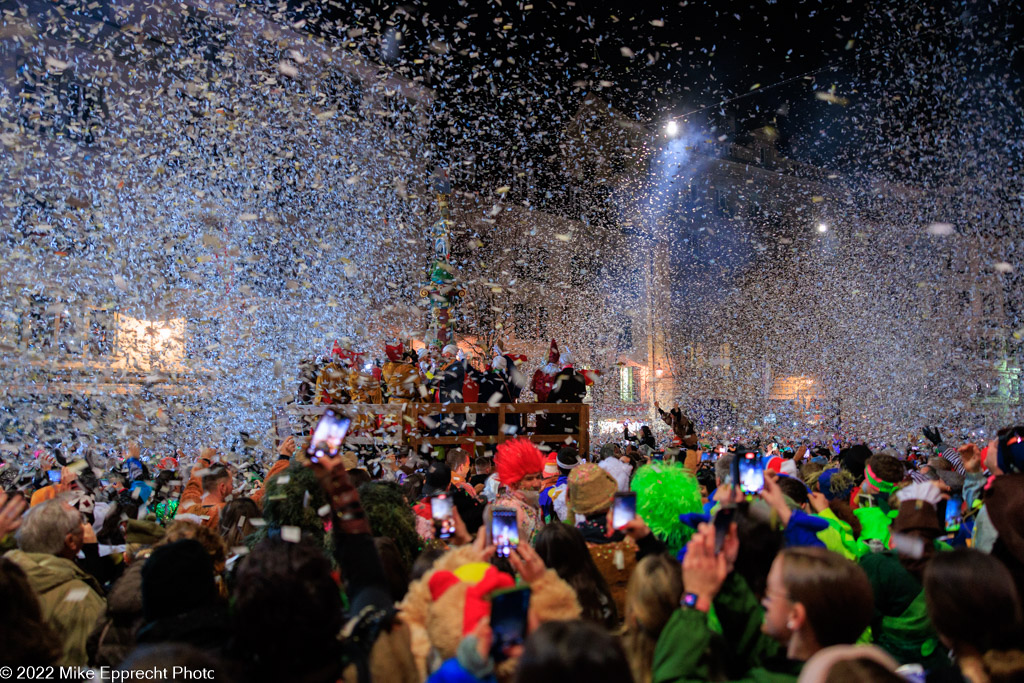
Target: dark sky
x=508, y=74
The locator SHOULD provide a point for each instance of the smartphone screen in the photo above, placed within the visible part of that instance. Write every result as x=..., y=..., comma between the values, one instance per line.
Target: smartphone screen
x=54, y=476
x=508, y=620
x=282, y=425
x=750, y=466
x=624, y=509
x=706, y=457
x=723, y=520
x=954, y=518
x=504, y=530
x=441, y=512
x=328, y=436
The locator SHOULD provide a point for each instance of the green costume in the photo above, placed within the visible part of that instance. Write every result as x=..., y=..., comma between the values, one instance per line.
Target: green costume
x=684, y=647
x=900, y=624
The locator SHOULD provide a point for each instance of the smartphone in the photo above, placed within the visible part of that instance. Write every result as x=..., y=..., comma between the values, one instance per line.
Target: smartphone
x=954, y=518
x=723, y=520
x=104, y=483
x=54, y=476
x=328, y=436
x=623, y=509
x=706, y=457
x=282, y=425
x=508, y=620
x=748, y=470
x=504, y=530
x=441, y=512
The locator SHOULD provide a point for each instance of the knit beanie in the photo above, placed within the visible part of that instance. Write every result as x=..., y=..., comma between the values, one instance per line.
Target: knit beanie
x=591, y=489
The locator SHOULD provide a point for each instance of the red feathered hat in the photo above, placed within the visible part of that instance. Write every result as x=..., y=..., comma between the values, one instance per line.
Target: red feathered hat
x=347, y=356
x=517, y=458
x=394, y=353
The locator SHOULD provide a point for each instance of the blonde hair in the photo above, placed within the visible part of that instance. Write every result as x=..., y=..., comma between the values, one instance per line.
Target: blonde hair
x=652, y=596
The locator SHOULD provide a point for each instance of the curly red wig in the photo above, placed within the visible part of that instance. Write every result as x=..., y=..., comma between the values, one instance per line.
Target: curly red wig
x=517, y=458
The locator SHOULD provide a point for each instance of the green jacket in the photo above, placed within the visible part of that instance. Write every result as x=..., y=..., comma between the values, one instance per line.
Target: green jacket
x=70, y=600
x=900, y=623
x=842, y=540
x=684, y=649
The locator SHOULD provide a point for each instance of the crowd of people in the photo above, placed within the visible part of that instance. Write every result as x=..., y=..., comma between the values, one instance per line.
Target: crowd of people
x=445, y=375
x=836, y=563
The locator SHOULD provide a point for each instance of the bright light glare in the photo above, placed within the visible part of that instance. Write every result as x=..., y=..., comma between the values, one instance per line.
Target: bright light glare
x=671, y=128
x=822, y=227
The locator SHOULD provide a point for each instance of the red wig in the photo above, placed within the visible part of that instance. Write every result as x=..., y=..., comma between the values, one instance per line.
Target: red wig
x=517, y=458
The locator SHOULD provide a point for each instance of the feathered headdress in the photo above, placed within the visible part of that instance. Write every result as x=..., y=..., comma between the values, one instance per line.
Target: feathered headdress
x=394, y=353
x=515, y=459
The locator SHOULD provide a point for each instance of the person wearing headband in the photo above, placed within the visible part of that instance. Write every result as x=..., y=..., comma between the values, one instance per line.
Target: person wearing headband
x=882, y=475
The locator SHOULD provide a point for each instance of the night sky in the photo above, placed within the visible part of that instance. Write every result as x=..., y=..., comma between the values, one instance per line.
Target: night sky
x=819, y=72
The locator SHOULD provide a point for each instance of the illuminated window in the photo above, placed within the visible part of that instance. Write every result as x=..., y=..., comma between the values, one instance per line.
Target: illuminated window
x=146, y=344
x=627, y=385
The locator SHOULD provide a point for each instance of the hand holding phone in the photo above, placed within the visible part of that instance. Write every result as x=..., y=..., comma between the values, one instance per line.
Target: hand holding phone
x=504, y=530
x=722, y=522
x=509, y=609
x=328, y=436
x=748, y=471
x=623, y=509
x=441, y=511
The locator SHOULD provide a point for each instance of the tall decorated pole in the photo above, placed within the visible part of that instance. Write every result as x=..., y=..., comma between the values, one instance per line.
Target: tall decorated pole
x=441, y=293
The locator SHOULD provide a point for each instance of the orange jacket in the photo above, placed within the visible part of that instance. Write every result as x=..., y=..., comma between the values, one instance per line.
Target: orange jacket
x=192, y=498
x=277, y=468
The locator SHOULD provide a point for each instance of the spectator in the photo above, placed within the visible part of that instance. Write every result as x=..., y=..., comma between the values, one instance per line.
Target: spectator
x=49, y=538
x=572, y=652
x=974, y=605
x=652, y=596
x=563, y=549
x=26, y=639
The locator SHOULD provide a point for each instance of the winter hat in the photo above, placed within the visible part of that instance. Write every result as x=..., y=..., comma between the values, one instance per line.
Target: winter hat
x=177, y=577
x=1010, y=452
x=854, y=458
x=782, y=465
x=591, y=489
x=567, y=458
x=450, y=350
x=836, y=484
x=141, y=532
x=516, y=458
x=499, y=363
x=437, y=480
x=550, y=466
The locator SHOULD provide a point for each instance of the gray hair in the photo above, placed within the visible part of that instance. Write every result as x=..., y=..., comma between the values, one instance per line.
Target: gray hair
x=723, y=468
x=44, y=528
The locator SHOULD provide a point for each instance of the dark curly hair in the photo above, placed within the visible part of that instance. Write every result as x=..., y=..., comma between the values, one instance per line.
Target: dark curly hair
x=391, y=517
